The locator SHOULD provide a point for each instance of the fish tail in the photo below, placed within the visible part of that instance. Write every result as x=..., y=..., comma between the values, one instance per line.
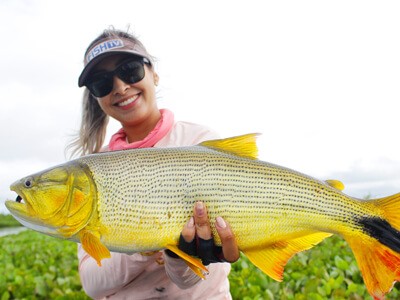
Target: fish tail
x=377, y=247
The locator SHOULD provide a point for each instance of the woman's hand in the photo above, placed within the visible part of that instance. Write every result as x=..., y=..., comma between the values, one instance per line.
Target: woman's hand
x=197, y=240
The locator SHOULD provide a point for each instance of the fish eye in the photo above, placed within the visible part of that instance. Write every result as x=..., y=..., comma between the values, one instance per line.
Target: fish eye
x=28, y=182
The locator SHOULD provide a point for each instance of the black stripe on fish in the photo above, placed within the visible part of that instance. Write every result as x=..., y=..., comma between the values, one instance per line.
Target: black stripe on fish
x=381, y=230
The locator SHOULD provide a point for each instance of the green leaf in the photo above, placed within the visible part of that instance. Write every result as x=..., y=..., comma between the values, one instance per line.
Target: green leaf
x=5, y=296
x=341, y=263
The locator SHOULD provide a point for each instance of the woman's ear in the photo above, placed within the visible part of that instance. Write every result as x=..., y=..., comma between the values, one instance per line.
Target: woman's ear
x=156, y=78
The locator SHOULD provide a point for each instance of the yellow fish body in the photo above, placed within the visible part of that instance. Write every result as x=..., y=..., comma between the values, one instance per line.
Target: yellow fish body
x=138, y=200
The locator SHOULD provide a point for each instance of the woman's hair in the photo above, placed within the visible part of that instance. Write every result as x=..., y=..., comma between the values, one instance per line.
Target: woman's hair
x=94, y=121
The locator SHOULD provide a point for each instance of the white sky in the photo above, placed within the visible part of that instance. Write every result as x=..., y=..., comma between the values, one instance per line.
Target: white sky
x=319, y=79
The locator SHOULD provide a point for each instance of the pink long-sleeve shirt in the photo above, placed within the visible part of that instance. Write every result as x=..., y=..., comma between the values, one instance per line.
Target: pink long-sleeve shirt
x=155, y=276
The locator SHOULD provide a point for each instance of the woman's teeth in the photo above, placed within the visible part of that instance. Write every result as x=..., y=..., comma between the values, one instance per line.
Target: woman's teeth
x=127, y=102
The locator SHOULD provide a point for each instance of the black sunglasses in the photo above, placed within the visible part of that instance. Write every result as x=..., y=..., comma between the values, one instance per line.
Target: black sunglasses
x=131, y=71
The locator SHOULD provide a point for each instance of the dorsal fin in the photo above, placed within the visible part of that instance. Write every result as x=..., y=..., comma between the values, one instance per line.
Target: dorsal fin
x=242, y=145
x=335, y=184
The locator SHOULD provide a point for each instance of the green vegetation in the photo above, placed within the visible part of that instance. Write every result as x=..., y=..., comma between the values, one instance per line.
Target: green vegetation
x=8, y=221
x=36, y=266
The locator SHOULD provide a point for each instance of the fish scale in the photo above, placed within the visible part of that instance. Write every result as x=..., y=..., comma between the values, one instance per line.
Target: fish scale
x=139, y=200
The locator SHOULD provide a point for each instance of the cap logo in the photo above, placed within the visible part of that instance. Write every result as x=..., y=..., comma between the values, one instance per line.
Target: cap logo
x=104, y=47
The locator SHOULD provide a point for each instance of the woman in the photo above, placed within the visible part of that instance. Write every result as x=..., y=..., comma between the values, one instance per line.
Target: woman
x=120, y=82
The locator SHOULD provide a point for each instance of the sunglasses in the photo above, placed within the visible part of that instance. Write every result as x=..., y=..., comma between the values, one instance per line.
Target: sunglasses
x=102, y=83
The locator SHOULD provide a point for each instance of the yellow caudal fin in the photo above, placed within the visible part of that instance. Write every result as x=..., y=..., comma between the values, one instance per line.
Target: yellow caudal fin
x=93, y=246
x=272, y=260
x=193, y=263
x=376, y=246
x=243, y=145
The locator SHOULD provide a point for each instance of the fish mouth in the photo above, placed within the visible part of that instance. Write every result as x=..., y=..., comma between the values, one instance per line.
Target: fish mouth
x=19, y=199
x=19, y=209
x=20, y=204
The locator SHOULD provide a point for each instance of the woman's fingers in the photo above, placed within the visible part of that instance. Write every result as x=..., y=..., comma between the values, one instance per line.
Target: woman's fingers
x=202, y=224
x=189, y=231
x=228, y=241
x=196, y=238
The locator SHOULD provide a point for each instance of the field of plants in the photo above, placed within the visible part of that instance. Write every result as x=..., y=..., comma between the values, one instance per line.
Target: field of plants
x=36, y=266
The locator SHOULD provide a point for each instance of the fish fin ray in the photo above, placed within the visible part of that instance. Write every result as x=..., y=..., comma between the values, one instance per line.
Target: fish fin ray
x=379, y=265
x=243, y=145
x=193, y=263
x=93, y=246
x=335, y=184
x=272, y=260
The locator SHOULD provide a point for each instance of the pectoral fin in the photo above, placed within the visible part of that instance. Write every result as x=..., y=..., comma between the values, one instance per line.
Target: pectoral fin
x=272, y=260
x=193, y=263
x=93, y=246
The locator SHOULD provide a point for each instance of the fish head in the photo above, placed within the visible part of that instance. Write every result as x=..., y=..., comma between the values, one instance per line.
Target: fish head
x=58, y=201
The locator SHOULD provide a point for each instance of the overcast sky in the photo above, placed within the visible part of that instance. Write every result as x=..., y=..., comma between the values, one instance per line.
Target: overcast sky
x=319, y=79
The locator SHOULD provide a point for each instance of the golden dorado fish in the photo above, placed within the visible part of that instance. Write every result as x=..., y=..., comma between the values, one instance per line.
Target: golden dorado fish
x=139, y=200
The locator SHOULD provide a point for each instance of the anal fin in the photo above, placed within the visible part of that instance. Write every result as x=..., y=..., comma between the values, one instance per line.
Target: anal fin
x=272, y=260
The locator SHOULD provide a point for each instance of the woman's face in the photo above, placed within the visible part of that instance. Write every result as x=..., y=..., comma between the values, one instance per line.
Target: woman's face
x=128, y=103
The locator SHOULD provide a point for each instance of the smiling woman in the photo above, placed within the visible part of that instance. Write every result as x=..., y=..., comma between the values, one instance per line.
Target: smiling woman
x=120, y=82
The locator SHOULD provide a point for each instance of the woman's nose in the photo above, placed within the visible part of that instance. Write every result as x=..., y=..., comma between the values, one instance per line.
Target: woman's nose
x=119, y=86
